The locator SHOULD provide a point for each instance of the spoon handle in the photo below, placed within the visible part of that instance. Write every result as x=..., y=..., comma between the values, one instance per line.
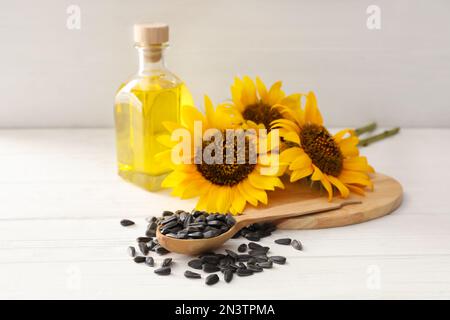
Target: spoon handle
x=268, y=215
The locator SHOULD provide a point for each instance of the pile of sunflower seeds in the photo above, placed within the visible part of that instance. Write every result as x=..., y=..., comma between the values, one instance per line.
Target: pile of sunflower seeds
x=195, y=225
x=249, y=259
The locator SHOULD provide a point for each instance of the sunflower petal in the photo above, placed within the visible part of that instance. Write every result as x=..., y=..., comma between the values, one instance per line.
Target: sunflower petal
x=312, y=113
x=343, y=190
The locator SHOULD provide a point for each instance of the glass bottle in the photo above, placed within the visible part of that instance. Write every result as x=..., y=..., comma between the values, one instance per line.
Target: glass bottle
x=142, y=104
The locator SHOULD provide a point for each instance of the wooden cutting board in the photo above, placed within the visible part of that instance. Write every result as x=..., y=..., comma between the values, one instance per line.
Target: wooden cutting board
x=386, y=197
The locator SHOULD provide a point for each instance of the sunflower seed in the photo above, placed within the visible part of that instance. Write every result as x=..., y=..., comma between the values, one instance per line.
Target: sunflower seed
x=150, y=219
x=164, y=271
x=228, y=275
x=143, y=247
x=278, y=259
x=266, y=264
x=126, y=223
x=139, y=259
x=196, y=264
x=150, y=261
x=232, y=254
x=242, y=248
x=144, y=239
x=150, y=233
x=211, y=259
x=131, y=252
x=283, y=241
x=192, y=275
x=297, y=245
x=212, y=279
x=167, y=213
x=254, y=246
x=195, y=235
x=244, y=257
x=210, y=268
x=169, y=220
x=211, y=233
x=254, y=267
x=161, y=250
x=167, y=262
x=244, y=272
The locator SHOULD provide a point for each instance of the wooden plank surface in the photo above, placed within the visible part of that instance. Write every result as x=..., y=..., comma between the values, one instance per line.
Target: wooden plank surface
x=60, y=205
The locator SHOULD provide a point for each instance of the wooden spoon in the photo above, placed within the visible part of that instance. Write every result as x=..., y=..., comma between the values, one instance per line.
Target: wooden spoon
x=287, y=210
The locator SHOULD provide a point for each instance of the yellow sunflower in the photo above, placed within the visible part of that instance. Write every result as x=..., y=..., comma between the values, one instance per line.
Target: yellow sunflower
x=334, y=161
x=221, y=187
x=254, y=102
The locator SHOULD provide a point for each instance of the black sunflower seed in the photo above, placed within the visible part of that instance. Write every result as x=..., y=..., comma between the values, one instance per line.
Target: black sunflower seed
x=196, y=264
x=167, y=262
x=144, y=239
x=164, y=271
x=143, y=247
x=284, y=241
x=244, y=272
x=278, y=259
x=297, y=245
x=242, y=248
x=212, y=279
x=139, y=259
x=253, y=236
x=131, y=252
x=266, y=264
x=254, y=246
x=168, y=220
x=150, y=261
x=228, y=275
x=232, y=254
x=126, y=223
x=167, y=213
x=254, y=267
x=211, y=233
x=244, y=257
x=161, y=250
x=192, y=275
x=210, y=268
x=211, y=259
x=195, y=235
x=150, y=233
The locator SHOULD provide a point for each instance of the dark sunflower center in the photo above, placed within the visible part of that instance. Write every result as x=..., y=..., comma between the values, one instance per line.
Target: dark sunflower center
x=232, y=172
x=261, y=113
x=322, y=149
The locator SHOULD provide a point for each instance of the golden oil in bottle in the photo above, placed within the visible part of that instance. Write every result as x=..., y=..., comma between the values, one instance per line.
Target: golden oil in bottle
x=142, y=104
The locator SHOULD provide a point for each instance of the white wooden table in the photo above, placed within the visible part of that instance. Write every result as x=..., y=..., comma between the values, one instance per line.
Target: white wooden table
x=60, y=237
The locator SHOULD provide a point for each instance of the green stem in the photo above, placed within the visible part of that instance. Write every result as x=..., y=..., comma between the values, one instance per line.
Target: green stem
x=378, y=137
x=368, y=128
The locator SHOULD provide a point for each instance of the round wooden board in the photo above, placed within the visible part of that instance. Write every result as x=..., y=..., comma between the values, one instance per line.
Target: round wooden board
x=384, y=199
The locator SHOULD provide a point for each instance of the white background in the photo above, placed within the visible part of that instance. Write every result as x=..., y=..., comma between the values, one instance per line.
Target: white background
x=51, y=76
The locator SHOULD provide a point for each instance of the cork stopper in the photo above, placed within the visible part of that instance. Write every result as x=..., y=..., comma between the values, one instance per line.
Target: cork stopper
x=147, y=34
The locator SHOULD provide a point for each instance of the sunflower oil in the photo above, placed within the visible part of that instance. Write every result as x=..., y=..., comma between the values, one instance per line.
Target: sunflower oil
x=142, y=104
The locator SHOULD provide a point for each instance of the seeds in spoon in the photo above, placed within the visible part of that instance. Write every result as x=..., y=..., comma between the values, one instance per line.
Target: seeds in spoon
x=139, y=259
x=126, y=223
x=192, y=275
x=167, y=262
x=278, y=259
x=283, y=241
